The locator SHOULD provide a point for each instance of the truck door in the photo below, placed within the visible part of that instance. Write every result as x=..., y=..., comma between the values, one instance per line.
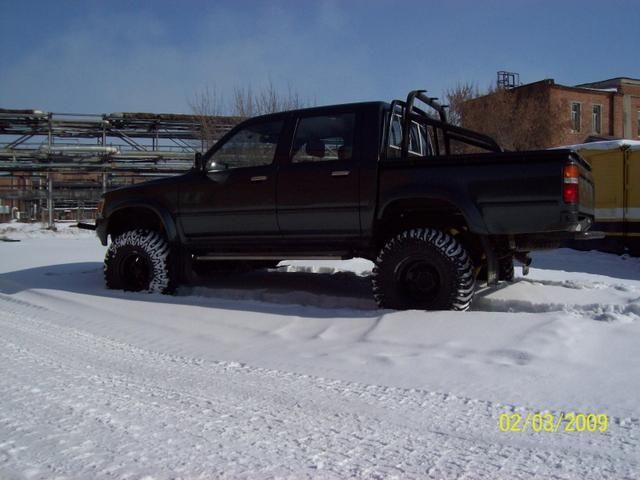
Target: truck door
x=317, y=189
x=236, y=196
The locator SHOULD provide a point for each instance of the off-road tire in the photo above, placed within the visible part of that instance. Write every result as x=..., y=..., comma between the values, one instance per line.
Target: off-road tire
x=140, y=260
x=424, y=269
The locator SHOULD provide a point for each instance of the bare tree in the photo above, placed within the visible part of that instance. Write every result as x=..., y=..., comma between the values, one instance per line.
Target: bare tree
x=268, y=100
x=208, y=106
x=246, y=103
x=456, y=97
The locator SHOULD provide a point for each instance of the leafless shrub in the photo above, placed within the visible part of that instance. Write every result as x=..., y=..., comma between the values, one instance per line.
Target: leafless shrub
x=456, y=97
x=246, y=103
x=208, y=106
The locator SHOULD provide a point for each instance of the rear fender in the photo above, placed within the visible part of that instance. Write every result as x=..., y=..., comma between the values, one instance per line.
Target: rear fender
x=434, y=204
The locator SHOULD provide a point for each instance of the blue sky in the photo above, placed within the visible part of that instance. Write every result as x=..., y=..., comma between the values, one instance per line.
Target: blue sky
x=108, y=56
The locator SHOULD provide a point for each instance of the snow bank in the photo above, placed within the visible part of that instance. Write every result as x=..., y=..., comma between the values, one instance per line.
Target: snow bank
x=15, y=230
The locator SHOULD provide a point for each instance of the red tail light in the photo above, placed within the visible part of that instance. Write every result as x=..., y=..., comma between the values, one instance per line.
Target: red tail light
x=570, y=186
x=570, y=193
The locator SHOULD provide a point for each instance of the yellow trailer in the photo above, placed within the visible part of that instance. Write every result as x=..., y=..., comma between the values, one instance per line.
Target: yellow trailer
x=616, y=174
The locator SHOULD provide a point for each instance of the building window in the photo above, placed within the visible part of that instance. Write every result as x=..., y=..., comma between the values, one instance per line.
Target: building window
x=576, y=119
x=596, y=119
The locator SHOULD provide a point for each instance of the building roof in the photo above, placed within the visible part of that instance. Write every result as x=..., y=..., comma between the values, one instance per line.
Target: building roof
x=611, y=82
x=550, y=82
x=620, y=144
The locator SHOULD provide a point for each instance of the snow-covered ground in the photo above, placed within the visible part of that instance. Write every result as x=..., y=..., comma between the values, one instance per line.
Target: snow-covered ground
x=294, y=373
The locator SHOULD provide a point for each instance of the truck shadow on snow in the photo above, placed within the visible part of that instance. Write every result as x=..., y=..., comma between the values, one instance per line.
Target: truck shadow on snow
x=322, y=294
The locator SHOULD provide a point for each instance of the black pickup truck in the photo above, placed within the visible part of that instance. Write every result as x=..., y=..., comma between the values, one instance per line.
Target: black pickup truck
x=439, y=209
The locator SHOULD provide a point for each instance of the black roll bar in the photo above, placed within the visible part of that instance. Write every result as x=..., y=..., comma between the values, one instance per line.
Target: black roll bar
x=449, y=132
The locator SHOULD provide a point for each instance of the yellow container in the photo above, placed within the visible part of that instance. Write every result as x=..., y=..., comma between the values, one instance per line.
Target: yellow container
x=616, y=174
x=632, y=214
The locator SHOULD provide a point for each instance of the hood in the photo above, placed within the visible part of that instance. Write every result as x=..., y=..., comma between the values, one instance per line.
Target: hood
x=165, y=184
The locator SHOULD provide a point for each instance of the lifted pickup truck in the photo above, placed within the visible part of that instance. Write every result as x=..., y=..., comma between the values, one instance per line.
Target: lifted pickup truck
x=439, y=209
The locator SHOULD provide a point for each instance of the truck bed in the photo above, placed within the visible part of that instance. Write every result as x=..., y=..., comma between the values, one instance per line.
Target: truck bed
x=506, y=193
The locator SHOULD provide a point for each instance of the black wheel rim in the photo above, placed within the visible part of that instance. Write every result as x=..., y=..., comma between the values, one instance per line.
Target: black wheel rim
x=136, y=272
x=419, y=280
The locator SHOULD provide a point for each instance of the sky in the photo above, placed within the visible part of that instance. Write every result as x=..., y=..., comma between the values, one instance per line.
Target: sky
x=158, y=56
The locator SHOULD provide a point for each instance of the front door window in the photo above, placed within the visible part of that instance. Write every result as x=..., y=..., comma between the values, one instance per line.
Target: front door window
x=252, y=146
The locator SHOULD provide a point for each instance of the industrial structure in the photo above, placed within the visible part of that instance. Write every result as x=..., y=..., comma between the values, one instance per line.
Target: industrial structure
x=56, y=165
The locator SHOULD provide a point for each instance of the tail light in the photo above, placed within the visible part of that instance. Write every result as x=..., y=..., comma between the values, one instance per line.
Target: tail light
x=570, y=185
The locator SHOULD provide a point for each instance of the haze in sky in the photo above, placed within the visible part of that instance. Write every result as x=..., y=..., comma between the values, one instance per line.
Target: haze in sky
x=93, y=56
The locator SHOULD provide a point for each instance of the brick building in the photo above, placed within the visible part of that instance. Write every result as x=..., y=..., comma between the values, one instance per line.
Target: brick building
x=627, y=119
x=545, y=114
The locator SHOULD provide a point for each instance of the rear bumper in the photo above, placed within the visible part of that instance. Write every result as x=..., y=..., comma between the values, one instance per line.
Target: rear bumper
x=582, y=224
x=589, y=235
x=583, y=232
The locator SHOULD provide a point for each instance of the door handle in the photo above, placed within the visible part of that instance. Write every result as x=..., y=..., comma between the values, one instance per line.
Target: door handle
x=259, y=178
x=340, y=173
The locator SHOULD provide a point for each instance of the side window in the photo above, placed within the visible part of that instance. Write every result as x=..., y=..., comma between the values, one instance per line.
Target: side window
x=419, y=143
x=395, y=131
x=325, y=137
x=252, y=146
x=417, y=140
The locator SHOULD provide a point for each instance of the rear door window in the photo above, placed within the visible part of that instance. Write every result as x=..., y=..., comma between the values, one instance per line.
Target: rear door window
x=419, y=143
x=324, y=138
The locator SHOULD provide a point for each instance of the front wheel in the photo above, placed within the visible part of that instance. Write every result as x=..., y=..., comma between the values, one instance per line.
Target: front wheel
x=424, y=269
x=139, y=260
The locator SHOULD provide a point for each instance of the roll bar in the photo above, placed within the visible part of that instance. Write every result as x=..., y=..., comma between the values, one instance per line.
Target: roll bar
x=449, y=132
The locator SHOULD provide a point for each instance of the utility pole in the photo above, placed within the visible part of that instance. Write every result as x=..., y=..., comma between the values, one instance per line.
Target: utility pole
x=52, y=225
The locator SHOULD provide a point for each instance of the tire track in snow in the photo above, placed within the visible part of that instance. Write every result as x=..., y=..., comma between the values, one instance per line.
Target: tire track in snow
x=76, y=404
x=625, y=308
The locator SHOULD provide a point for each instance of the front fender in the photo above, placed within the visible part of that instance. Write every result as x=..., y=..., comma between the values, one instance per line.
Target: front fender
x=163, y=215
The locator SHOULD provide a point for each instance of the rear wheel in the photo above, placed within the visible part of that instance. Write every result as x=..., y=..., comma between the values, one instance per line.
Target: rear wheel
x=139, y=260
x=424, y=269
